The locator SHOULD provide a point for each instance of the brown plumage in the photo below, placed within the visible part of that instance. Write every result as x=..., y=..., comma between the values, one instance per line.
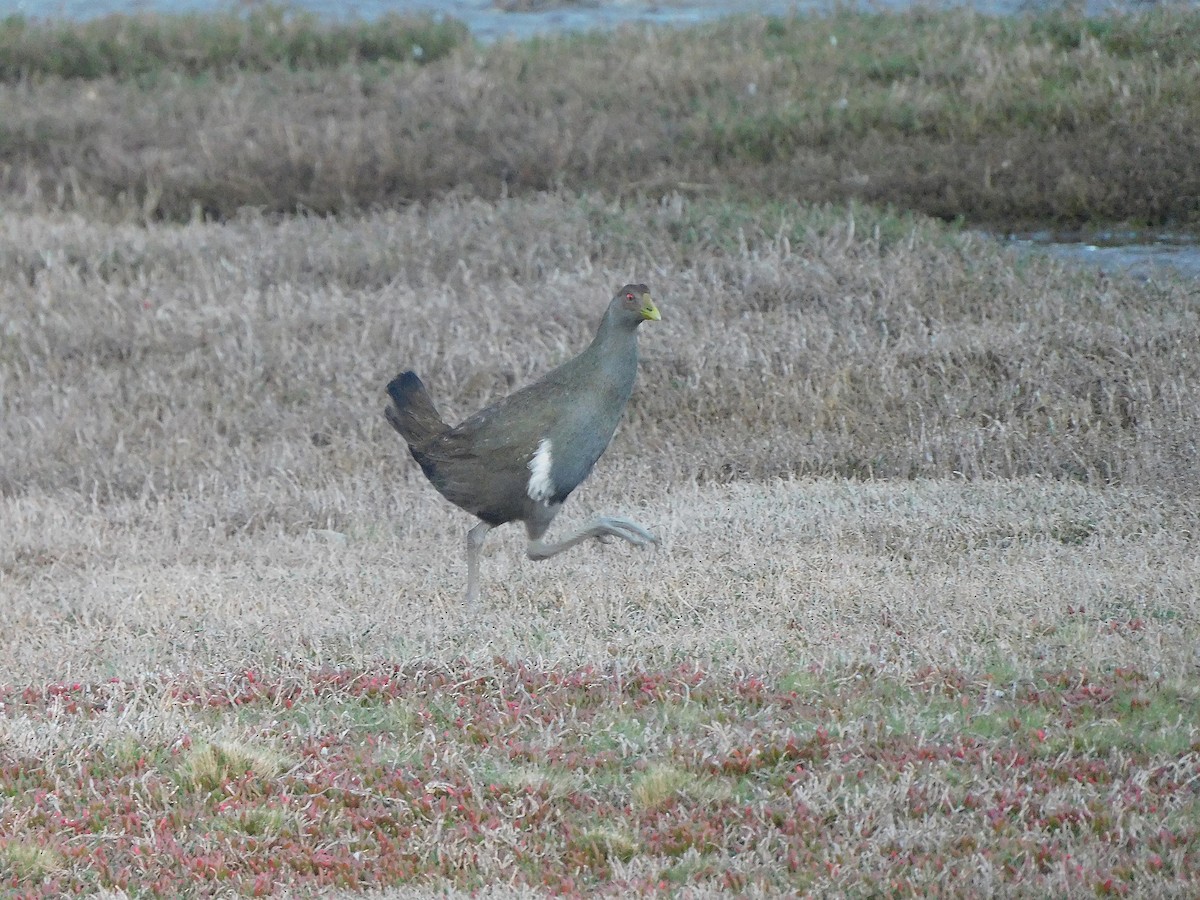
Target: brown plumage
x=520, y=458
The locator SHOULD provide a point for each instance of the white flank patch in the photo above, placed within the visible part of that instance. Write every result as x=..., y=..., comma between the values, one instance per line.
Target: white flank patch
x=540, y=486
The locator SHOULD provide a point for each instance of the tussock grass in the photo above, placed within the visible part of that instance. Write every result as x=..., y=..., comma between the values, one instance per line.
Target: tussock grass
x=208, y=766
x=605, y=842
x=658, y=786
x=146, y=47
x=1036, y=120
x=28, y=862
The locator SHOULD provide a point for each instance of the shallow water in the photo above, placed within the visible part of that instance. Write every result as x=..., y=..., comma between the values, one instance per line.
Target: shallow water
x=485, y=18
x=488, y=21
x=1143, y=254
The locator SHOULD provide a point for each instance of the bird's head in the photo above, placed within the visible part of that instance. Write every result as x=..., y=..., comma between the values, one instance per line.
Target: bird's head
x=636, y=305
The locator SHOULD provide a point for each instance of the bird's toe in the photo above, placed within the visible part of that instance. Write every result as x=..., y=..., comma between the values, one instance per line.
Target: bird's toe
x=647, y=541
x=634, y=533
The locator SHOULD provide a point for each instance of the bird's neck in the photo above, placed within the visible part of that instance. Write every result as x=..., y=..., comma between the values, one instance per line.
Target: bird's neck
x=613, y=346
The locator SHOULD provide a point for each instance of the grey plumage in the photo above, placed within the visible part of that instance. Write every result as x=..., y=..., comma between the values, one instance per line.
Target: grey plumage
x=520, y=458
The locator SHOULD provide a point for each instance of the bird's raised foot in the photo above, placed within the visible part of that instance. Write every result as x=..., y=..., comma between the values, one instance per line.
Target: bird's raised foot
x=599, y=529
x=632, y=532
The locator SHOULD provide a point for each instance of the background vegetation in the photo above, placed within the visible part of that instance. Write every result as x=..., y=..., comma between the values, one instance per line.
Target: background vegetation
x=924, y=619
x=1007, y=122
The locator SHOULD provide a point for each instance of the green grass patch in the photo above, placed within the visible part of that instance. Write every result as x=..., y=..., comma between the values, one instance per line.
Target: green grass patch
x=1048, y=119
x=266, y=36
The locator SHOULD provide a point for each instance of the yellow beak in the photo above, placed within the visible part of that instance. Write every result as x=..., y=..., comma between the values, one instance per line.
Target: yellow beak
x=649, y=310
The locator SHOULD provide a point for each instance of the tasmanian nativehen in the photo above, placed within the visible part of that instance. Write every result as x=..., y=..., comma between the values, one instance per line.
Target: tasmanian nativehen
x=520, y=458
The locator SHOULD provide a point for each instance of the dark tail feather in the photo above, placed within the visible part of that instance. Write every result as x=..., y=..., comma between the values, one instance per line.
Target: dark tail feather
x=412, y=413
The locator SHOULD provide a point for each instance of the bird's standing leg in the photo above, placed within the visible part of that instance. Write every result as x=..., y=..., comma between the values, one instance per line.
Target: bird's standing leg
x=474, y=545
x=606, y=526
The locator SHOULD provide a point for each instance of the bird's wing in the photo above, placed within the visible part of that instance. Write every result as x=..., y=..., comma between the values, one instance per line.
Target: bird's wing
x=482, y=466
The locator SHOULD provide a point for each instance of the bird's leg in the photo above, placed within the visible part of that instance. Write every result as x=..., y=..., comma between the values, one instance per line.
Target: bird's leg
x=474, y=545
x=600, y=529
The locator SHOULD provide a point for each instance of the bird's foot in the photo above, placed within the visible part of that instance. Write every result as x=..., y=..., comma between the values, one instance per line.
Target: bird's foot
x=602, y=530
x=624, y=529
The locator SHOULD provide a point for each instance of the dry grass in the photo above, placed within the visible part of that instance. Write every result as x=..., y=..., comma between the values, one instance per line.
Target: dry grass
x=199, y=474
x=913, y=489
x=802, y=342
x=1015, y=121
